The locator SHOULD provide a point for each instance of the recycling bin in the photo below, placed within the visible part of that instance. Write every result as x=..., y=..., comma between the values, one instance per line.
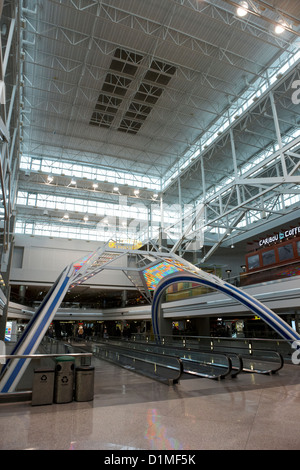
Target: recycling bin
x=42, y=387
x=84, y=383
x=64, y=379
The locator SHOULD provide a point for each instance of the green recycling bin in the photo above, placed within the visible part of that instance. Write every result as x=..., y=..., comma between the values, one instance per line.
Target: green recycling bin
x=64, y=379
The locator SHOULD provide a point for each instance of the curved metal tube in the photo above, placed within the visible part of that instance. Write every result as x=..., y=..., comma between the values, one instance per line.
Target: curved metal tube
x=271, y=318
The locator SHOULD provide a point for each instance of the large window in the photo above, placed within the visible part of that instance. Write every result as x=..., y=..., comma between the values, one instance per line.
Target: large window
x=268, y=257
x=55, y=167
x=253, y=262
x=135, y=222
x=285, y=252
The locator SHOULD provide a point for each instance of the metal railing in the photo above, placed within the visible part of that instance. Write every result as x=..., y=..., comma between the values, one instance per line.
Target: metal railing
x=24, y=390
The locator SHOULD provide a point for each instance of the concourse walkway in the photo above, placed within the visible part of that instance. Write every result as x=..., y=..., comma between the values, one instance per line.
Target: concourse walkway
x=132, y=412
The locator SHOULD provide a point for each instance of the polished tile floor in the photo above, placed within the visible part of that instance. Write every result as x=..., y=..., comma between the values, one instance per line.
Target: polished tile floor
x=133, y=412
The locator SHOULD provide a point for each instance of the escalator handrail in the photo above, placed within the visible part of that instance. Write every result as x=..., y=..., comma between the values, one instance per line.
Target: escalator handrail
x=234, y=371
x=222, y=354
x=267, y=371
x=240, y=357
x=209, y=376
x=244, y=354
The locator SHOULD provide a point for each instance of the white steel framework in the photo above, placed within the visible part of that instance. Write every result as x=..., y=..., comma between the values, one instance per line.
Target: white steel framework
x=169, y=104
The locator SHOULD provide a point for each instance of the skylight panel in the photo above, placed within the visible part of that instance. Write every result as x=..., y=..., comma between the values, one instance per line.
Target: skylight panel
x=101, y=174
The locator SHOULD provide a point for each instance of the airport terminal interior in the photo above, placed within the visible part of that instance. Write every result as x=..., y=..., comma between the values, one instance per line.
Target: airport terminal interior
x=150, y=225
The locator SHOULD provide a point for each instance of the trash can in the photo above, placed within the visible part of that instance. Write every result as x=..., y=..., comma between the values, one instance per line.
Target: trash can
x=84, y=383
x=43, y=386
x=64, y=379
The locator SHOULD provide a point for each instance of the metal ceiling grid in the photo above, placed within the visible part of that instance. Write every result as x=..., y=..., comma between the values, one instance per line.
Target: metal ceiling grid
x=134, y=87
x=60, y=26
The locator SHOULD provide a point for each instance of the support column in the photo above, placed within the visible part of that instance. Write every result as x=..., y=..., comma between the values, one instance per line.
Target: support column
x=162, y=235
x=203, y=187
x=180, y=211
x=278, y=134
x=235, y=167
x=165, y=326
x=124, y=298
x=5, y=265
x=202, y=326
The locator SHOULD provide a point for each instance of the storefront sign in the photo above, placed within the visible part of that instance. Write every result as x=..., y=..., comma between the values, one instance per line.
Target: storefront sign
x=280, y=236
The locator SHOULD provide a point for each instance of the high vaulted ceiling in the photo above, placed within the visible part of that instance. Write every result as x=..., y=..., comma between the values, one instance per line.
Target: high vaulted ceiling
x=184, y=92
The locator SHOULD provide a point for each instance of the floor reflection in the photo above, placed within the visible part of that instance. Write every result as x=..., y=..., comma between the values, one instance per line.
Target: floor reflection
x=157, y=436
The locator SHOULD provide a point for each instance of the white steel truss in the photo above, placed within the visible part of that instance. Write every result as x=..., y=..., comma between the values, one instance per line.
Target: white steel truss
x=240, y=160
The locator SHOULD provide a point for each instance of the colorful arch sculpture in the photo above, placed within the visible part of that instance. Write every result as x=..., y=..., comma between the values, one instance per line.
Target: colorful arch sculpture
x=94, y=263
x=34, y=332
x=271, y=318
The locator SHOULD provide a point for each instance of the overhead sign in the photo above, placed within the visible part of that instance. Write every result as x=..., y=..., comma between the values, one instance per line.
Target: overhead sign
x=280, y=236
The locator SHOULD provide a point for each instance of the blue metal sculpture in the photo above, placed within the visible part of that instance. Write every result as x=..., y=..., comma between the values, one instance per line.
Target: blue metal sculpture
x=203, y=278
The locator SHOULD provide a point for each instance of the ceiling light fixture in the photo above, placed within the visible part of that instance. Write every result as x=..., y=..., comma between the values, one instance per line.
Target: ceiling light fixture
x=66, y=216
x=280, y=27
x=242, y=10
x=116, y=188
x=95, y=185
x=49, y=178
x=73, y=181
x=136, y=192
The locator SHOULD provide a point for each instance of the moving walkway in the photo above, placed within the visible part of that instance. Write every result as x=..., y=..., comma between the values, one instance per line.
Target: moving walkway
x=166, y=364
x=159, y=360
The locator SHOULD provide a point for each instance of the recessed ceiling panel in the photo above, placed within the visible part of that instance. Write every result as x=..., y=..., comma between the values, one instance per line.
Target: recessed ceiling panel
x=123, y=68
